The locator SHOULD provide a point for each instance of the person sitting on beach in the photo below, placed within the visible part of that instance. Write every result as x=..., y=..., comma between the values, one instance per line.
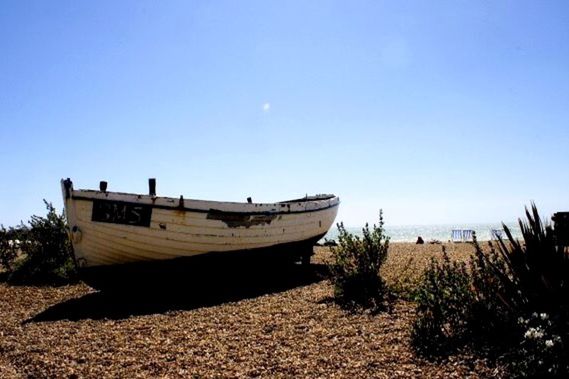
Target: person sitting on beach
x=420, y=241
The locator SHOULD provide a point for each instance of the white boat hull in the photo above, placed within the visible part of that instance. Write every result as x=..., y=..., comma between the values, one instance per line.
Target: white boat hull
x=113, y=228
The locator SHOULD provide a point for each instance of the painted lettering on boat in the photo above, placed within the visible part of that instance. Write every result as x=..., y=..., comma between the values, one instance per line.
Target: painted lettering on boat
x=117, y=212
x=237, y=220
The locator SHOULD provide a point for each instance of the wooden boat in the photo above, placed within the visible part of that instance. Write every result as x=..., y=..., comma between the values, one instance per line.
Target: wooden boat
x=111, y=228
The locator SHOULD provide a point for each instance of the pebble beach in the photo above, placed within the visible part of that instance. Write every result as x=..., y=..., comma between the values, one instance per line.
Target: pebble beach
x=283, y=326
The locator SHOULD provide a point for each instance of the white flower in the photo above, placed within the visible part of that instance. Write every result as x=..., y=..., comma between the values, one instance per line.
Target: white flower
x=530, y=333
x=533, y=333
x=549, y=343
x=544, y=316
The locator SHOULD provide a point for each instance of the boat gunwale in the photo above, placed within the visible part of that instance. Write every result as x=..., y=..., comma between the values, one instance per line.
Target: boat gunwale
x=326, y=202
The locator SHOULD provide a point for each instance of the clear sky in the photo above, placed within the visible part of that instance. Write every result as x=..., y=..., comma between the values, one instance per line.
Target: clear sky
x=435, y=111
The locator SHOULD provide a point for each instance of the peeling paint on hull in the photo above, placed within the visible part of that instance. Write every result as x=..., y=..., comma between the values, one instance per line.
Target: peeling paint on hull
x=238, y=220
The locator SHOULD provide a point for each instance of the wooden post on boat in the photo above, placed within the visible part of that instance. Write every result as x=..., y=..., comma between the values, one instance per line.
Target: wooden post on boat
x=152, y=186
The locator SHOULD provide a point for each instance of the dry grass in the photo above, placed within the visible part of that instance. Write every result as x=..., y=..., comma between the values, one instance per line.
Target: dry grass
x=294, y=331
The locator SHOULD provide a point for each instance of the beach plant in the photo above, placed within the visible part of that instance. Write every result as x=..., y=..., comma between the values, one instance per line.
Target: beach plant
x=497, y=299
x=541, y=351
x=538, y=268
x=46, y=251
x=514, y=295
x=520, y=278
x=355, y=272
x=8, y=248
x=459, y=303
x=444, y=298
x=535, y=281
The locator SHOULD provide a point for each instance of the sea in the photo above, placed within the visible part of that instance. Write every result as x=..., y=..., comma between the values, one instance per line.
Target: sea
x=441, y=233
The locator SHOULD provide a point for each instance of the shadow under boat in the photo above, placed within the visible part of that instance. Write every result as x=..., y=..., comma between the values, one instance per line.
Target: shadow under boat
x=182, y=284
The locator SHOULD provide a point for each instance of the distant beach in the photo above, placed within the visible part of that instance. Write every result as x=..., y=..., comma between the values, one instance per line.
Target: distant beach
x=443, y=233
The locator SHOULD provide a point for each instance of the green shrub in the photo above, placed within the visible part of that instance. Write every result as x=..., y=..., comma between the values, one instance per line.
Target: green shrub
x=8, y=248
x=47, y=256
x=355, y=270
x=444, y=299
x=539, y=269
x=536, y=282
x=498, y=299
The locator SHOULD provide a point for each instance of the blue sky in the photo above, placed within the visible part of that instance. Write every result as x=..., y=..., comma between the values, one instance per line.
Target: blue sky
x=437, y=112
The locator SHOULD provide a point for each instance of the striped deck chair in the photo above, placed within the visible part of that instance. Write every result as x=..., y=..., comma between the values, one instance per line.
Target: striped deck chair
x=456, y=235
x=468, y=235
x=496, y=234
